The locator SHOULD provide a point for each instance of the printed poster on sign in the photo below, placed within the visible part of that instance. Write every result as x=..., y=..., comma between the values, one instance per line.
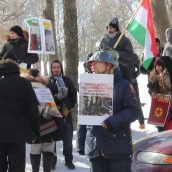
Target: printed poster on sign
x=95, y=98
x=159, y=109
x=44, y=96
x=41, y=38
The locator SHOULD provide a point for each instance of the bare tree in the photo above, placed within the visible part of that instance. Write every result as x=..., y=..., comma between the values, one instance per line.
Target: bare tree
x=71, y=45
x=160, y=18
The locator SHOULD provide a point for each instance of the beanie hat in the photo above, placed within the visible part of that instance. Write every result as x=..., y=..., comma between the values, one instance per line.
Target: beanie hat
x=89, y=55
x=33, y=72
x=17, y=29
x=10, y=55
x=158, y=62
x=114, y=23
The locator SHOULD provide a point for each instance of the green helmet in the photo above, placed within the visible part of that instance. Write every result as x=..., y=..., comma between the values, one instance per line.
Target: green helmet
x=102, y=56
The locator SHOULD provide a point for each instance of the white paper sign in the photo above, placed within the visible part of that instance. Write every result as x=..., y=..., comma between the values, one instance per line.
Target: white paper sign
x=44, y=95
x=95, y=98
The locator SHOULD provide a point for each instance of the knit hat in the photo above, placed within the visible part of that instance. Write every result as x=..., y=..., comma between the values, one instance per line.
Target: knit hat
x=89, y=56
x=114, y=23
x=17, y=29
x=158, y=62
x=10, y=55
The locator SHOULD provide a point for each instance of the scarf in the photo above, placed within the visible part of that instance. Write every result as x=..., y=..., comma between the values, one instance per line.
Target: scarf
x=60, y=82
x=112, y=35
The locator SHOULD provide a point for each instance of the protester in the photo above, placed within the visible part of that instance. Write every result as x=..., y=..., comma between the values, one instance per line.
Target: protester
x=65, y=95
x=160, y=79
x=48, y=133
x=17, y=41
x=110, y=146
x=124, y=48
x=18, y=110
x=168, y=46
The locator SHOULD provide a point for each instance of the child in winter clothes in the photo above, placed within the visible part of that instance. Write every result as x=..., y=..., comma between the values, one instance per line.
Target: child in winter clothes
x=47, y=143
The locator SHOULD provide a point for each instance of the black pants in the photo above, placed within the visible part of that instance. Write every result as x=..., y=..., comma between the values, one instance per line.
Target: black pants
x=67, y=141
x=141, y=117
x=110, y=165
x=15, y=152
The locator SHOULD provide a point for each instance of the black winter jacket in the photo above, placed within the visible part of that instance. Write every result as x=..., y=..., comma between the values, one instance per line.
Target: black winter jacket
x=18, y=105
x=19, y=47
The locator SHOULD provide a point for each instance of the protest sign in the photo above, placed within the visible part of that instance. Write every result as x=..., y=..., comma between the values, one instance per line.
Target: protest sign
x=45, y=96
x=159, y=109
x=95, y=98
x=41, y=38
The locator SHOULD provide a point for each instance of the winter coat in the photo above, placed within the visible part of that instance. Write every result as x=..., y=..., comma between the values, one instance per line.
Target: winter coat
x=51, y=136
x=124, y=49
x=114, y=142
x=18, y=105
x=168, y=47
x=135, y=68
x=19, y=46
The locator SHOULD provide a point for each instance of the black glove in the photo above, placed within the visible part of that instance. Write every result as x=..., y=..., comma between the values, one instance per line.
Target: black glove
x=81, y=152
x=150, y=85
x=36, y=136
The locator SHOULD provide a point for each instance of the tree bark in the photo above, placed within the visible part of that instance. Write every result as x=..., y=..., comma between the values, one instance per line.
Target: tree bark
x=71, y=46
x=48, y=13
x=160, y=18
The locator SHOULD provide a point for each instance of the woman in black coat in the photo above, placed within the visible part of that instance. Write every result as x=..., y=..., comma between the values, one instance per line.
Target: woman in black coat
x=17, y=41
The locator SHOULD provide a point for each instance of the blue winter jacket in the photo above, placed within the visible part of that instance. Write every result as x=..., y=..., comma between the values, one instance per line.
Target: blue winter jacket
x=115, y=141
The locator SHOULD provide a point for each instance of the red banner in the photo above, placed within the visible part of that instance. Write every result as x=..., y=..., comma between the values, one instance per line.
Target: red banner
x=159, y=109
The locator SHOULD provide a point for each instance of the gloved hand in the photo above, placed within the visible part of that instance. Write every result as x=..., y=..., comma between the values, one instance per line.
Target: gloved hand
x=81, y=152
x=36, y=135
x=62, y=93
x=150, y=85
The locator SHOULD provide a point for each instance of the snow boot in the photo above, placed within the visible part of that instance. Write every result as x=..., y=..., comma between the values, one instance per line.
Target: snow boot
x=48, y=158
x=35, y=162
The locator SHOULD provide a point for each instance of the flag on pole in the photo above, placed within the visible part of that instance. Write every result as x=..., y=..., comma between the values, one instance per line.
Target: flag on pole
x=141, y=28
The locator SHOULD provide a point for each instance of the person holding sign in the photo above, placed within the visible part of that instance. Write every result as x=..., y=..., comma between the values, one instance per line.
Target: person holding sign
x=65, y=96
x=18, y=111
x=109, y=146
x=49, y=125
x=17, y=41
x=160, y=79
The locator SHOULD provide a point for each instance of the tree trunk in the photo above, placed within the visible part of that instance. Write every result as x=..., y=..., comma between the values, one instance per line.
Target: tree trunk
x=48, y=13
x=71, y=46
x=160, y=18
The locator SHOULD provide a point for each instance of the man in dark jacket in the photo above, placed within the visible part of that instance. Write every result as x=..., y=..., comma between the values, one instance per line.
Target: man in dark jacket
x=17, y=42
x=110, y=146
x=65, y=93
x=18, y=111
x=124, y=48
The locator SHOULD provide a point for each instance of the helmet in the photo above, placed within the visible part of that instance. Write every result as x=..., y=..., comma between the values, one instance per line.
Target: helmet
x=102, y=56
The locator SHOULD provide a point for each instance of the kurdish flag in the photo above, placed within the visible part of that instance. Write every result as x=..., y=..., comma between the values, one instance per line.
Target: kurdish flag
x=141, y=28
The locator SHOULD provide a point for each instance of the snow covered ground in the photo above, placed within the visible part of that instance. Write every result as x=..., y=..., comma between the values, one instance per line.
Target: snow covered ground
x=81, y=163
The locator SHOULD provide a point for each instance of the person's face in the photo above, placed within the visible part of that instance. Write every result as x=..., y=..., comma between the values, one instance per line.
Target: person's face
x=111, y=29
x=13, y=35
x=158, y=68
x=38, y=40
x=38, y=77
x=157, y=47
x=100, y=67
x=56, y=69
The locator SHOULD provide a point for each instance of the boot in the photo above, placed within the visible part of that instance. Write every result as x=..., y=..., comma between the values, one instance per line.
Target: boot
x=48, y=158
x=35, y=162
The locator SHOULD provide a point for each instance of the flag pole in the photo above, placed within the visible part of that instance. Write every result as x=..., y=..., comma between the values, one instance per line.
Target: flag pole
x=131, y=18
x=45, y=68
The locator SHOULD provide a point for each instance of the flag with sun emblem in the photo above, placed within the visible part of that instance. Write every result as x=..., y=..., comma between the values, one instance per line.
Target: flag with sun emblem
x=159, y=109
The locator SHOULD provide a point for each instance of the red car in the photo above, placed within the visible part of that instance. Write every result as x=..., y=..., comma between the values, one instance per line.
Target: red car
x=154, y=153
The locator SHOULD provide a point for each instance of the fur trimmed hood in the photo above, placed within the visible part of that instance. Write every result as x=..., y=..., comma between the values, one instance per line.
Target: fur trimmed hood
x=4, y=61
x=28, y=77
x=25, y=35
